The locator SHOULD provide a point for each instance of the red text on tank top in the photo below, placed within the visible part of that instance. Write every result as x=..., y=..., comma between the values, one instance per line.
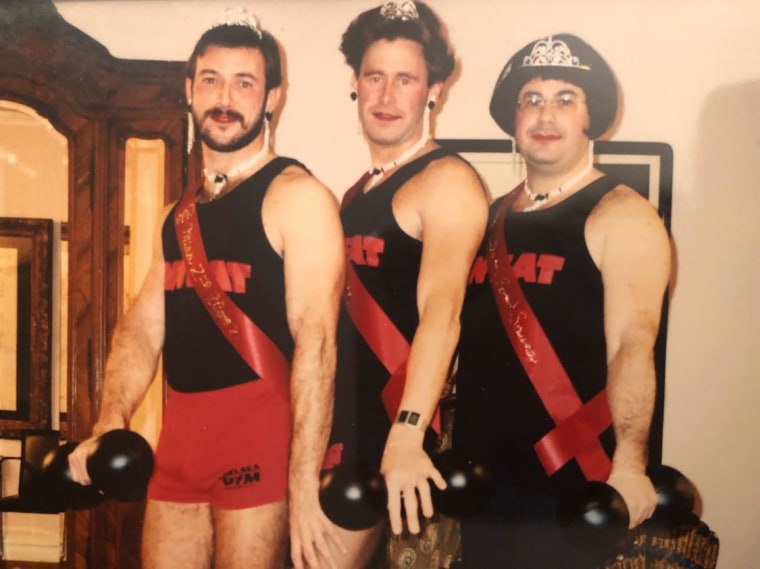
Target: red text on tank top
x=228, y=276
x=529, y=268
x=364, y=250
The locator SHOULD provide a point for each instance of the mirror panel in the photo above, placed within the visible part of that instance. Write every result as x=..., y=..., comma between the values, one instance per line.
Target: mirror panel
x=98, y=103
x=143, y=205
x=33, y=188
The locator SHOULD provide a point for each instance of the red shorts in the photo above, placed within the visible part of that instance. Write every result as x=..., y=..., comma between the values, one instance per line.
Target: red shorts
x=228, y=448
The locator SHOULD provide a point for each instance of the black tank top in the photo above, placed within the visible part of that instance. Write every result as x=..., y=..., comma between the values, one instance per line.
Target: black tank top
x=197, y=356
x=499, y=415
x=387, y=261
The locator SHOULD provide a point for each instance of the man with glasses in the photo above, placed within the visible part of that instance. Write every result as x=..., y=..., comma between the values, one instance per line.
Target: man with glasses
x=556, y=379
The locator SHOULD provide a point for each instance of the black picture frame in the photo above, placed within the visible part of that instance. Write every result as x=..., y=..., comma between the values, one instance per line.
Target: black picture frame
x=27, y=248
x=647, y=167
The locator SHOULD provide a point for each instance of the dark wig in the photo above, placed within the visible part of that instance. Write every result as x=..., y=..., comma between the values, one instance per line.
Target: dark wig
x=371, y=26
x=565, y=57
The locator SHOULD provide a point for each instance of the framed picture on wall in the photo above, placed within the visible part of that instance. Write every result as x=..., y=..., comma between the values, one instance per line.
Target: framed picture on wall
x=25, y=323
x=647, y=167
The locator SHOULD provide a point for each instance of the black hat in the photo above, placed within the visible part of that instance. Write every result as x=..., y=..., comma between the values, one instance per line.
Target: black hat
x=565, y=57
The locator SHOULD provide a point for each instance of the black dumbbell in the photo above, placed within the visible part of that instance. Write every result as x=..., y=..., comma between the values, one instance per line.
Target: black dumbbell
x=593, y=517
x=59, y=490
x=356, y=498
x=596, y=515
x=675, y=498
x=353, y=498
x=469, y=484
x=120, y=467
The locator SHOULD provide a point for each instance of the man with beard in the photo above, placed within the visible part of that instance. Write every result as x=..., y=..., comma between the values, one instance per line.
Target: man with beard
x=556, y=378
x=242, y=301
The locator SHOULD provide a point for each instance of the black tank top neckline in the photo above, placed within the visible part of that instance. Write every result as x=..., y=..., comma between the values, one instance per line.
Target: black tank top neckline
x=589, y=192
x=407, y=171
x=261, y=178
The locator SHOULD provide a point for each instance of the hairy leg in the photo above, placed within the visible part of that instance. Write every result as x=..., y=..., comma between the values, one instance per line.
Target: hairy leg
x=177, y=535
x=251, y=538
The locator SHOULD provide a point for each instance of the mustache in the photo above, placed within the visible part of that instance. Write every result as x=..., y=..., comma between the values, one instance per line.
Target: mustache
x=217, y=113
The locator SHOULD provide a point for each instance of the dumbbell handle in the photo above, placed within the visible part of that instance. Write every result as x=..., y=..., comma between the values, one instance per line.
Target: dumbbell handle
x=119, y=464
x=597, y=513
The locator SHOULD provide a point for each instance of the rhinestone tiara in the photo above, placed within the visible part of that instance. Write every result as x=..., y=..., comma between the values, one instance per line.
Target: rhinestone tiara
x=552, y=52
x=240, y=16
x=403, y=11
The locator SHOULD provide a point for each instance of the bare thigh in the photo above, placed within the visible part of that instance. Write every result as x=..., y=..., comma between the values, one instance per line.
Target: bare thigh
x=177, y=535
x=361, y=547
x=251, y=538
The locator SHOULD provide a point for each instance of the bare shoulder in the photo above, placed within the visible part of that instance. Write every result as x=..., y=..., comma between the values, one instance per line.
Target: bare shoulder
x=451, y=172
x=299, y=212
x=624, y=221
x=448, y=184
x=624, y=205
x=296, y=189
x=446, y=194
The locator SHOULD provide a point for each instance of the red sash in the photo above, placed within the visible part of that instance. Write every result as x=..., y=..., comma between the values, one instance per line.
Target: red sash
x=577, y=426
x=378, y=330
x=253, y=345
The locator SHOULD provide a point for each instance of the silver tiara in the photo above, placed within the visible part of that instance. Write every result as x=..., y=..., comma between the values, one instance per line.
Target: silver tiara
x=553, y=52
x=240, y=16
x=399, y=11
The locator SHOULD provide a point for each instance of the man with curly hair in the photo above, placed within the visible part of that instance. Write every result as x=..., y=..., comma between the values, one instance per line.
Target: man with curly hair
x=412, y=224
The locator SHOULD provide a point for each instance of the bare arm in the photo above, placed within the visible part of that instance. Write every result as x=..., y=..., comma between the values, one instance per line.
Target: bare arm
x=452, y=211
x=635, y=264
x=312, y=247
x=133, y=358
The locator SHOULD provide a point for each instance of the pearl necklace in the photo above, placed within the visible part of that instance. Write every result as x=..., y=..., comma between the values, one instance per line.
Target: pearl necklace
x=220, y=181
x=377, y=172
x=540, y=199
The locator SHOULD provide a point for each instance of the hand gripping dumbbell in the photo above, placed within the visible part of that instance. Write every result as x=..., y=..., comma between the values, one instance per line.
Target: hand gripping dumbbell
x=120, y=466
x=596, y=515
x=356, y=498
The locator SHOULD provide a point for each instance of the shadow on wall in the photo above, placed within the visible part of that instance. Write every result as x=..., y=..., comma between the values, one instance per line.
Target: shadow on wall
x=721, y=214
x=728, y=176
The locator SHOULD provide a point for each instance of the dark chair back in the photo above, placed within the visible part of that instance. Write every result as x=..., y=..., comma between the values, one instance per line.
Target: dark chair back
x=35, y=447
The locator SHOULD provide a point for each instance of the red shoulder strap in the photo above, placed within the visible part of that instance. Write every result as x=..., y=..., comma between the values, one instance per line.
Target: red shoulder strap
x=254, y=346
x=378, y=330
x=577, y=426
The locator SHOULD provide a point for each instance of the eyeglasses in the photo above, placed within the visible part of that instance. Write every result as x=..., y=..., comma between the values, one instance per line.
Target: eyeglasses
x=565, y=103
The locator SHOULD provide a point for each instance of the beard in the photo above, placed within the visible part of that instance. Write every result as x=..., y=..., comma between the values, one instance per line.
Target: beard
x=245, y=138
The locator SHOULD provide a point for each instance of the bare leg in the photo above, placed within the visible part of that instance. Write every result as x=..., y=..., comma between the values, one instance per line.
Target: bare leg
x=176, y=535
x=252, y=538
x=361, y=546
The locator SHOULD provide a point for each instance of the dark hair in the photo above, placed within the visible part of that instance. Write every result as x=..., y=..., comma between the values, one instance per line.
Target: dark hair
x=371, y=26
x=237, y=35
x=560, y=56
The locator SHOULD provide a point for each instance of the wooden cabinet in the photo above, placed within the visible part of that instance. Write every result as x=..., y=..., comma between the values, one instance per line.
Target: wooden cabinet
x=97, y=102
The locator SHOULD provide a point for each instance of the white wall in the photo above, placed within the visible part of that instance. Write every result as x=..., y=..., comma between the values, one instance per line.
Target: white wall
x=690, y=71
